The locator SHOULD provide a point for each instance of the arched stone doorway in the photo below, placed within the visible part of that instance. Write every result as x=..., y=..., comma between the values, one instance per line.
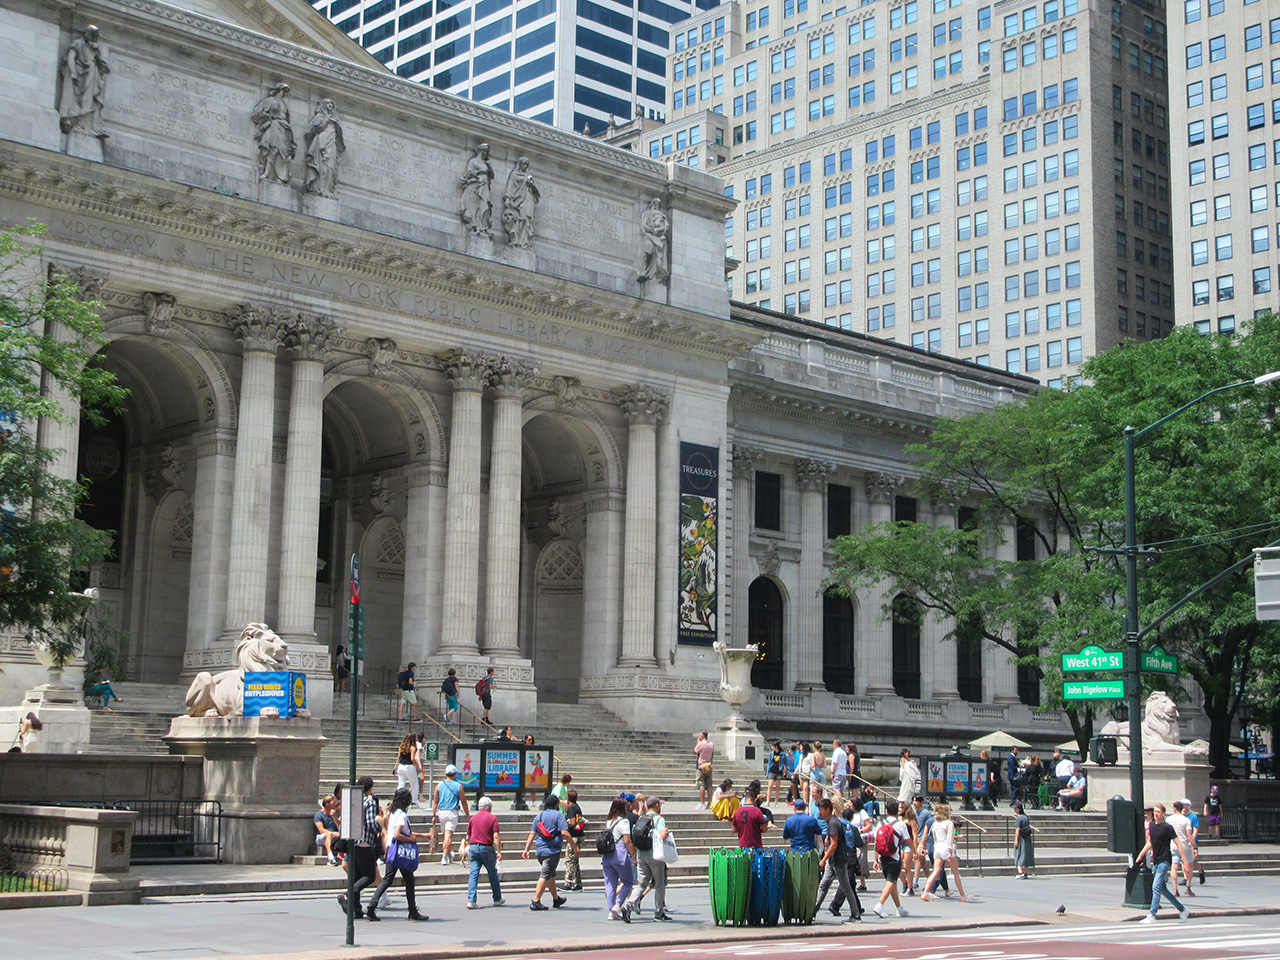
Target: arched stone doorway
x=765, y=619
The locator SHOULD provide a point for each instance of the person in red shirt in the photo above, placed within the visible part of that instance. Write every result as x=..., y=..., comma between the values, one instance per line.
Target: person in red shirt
x=750, y=822
x=484, y=849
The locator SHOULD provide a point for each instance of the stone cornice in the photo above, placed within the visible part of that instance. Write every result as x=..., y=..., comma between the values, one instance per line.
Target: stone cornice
x=827, y=410
x=70, y=185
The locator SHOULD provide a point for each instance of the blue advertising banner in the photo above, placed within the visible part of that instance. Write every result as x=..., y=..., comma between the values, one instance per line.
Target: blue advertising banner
x=957, y=777
x=980, y=783
x=699, y=526
x=467, y=760
x=282, y=689
x=501, y=769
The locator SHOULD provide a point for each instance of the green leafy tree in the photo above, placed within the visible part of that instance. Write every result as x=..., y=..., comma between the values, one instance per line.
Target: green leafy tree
x=1208, y=484
x=48, y=334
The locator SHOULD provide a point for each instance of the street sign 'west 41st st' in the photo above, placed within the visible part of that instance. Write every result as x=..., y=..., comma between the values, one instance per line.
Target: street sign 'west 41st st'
x=1092, y=657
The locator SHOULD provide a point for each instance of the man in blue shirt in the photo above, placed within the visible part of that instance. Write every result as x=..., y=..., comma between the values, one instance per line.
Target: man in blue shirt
x=550, y=830
x=802, y=829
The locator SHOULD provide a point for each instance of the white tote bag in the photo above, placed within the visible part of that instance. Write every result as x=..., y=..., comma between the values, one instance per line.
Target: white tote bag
x=664, y=851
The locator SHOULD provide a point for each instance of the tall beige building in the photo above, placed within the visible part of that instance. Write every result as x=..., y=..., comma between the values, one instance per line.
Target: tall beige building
x=1225, y=60
x=989, y=181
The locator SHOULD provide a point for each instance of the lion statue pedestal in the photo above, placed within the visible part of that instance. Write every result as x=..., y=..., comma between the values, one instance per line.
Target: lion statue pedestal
x=265, y=771
x=1169, y=770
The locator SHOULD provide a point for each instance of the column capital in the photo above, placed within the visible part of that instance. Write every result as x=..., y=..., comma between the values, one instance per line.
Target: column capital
x=642, y=403
x=466, y=369
x=308, y=336
x=946, y=499
x=745, y=459
x=812, y=474
x=260, y=328
x=427, y=475
x=89, y=284
x=508, y=377
x=881, y=487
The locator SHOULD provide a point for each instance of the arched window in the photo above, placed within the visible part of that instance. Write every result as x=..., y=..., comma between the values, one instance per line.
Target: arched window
x=837, y=643
x=969, y=661
x=764, y=628
x=906, y=647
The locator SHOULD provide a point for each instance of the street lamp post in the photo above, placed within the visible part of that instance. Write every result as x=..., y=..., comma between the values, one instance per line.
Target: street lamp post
x=1131, y=551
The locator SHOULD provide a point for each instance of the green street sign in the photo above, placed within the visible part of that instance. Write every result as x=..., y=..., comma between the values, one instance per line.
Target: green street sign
x=1156, y=660
x=1093, y=690
x=431, y=751
x=1092, y=657
x=355, y=624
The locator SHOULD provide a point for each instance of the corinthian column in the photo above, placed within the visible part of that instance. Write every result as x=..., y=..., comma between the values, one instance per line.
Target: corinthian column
x=874, y=659
x=643, y=406
x=744, y=469
x=259, y=330
x=468, y=374
x=308, y=338
x=811, y=476
x=502, y=596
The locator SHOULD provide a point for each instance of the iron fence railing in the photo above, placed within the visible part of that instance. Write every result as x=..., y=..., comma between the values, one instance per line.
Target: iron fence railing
x=175, y=831
x=1250, y=824
x=32, y=880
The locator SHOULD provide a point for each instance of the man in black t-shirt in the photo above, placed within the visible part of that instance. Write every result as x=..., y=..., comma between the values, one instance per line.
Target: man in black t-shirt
x=577, y=827
x=1159, y=840
x=835, y=859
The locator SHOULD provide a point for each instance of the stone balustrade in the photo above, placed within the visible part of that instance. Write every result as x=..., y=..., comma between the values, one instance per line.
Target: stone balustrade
x=91, y=846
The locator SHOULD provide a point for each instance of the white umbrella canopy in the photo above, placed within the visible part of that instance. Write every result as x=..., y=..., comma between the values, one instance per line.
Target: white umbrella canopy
x=1070, y=746
x=997, y=741
x=1202, y=744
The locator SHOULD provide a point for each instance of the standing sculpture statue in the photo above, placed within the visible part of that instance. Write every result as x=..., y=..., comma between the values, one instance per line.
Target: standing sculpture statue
x=274, y=135
x=84, y=83
x=518, y=204
x=474, y=206
x=325, y=146
x=654, y=228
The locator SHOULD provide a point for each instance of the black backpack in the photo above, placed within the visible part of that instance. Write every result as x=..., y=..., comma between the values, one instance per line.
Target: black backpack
x=402, y=681
x=606, y=842
x=642, y=833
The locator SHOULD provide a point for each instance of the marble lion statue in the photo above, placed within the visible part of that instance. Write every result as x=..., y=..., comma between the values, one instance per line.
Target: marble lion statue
x=1160, y=731
x=259, y=649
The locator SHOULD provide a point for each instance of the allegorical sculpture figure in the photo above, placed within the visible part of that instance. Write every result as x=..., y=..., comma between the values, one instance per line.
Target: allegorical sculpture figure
x=474, y=205
x=274, y=134
x=518, y=204
x=84, y=84
x=654, y=228
x=325, y=146
x=260, y=649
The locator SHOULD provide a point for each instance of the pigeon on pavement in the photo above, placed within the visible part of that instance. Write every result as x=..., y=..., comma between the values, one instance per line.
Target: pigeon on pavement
x=1062, y=908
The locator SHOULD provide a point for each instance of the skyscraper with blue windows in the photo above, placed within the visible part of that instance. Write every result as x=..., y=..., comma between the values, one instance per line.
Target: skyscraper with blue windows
x=569, y=63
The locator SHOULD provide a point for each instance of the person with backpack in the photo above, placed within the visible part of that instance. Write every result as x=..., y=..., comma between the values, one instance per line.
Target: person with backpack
x=855, y=842
x=616, y=849
x=549, y=832
x=577, y=827
x=835, y=859
x=484, y=690
x=892, y=837
x=450, y=689
x=650, y=829
x=449, y=796
x=406, y=682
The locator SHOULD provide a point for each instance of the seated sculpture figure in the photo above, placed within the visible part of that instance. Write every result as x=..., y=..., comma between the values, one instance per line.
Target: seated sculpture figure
x=1160, y=733
x=259, y=650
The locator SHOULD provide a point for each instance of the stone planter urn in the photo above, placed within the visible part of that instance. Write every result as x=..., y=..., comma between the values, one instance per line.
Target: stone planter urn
x=738, y=738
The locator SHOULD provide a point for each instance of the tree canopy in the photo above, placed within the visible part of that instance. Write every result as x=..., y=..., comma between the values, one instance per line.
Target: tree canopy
x=1208, y=486
x=48, y=334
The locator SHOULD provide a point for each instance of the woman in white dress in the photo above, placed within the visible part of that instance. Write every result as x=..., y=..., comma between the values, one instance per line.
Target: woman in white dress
x=908, y=779
x=944, y=850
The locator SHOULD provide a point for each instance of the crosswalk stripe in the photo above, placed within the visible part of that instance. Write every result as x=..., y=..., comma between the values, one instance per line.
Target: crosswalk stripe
x=1065, y=932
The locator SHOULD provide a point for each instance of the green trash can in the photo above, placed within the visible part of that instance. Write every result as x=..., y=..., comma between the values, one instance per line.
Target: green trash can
x=729, y=881
x=800, y=890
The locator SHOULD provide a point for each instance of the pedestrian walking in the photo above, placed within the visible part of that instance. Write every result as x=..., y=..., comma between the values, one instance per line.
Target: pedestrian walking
x=1213, y=810
x=1161, y=838
x=1024, y=851
x=892, y=837
x=406, y=687
x=1194, y=834
x=399, y=831
x=577, y=827
x=364, y=852
x=839, y=768
x=924, y=844
x=835, y=857
x=408, y=766
x=448, y=799
x=484, y=849
x=855, y=858
x=616, y=850
x=548, y=835
x=817, y=773
x=649, y=830
x=703, y=751
x=449, y=686
x=484, y=690
x=944, y=850
x=1181, y=824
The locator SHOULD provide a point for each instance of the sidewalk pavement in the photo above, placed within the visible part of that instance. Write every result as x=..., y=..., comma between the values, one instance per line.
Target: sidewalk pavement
x=310, y=926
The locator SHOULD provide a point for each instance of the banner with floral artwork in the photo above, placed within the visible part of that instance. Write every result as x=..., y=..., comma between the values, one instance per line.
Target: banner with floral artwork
x=699, y=517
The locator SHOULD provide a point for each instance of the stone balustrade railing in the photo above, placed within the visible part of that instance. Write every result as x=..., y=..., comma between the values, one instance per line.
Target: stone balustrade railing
x=92, y=846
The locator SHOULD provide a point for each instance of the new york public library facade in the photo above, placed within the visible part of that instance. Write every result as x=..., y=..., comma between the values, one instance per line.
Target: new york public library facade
x=497, y=361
